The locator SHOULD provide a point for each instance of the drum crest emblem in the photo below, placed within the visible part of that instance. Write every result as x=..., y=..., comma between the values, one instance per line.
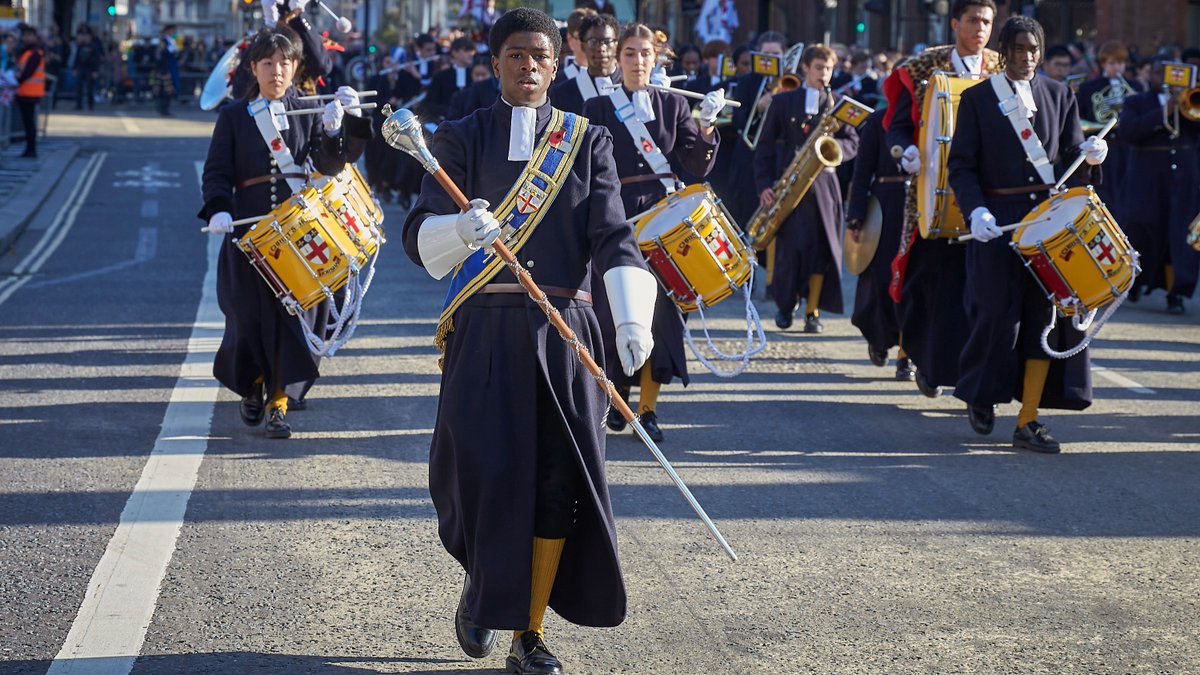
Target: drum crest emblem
x=312, y=245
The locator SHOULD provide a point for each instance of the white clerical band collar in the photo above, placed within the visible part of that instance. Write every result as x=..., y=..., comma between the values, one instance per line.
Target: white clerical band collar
x=521, y=132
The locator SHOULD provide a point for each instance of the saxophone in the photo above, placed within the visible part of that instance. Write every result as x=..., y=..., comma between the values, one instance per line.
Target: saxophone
x=819, y=152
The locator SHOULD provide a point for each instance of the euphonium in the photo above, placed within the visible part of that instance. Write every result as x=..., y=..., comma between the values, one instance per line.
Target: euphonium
x=819, y=152
x=1189, y=104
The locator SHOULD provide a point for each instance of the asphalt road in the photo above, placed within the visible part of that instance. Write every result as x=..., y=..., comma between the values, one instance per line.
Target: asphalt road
x=876, y=532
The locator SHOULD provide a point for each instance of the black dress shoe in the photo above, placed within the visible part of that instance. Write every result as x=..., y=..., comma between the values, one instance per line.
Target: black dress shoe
x=1035, y=437
x=277, y=425
x=476, y=642
x=812, y=324
x=878, y=356
x=783, y=320
x=905, y=371
x=297, y=403
x=924, y=387
x=253, y=407
x=649, y=420
x=982, y=419
x=529, y=656
x=1174, y=304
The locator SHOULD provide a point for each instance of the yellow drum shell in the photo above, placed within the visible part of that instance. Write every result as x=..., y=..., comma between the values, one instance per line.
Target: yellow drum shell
x=938, y=214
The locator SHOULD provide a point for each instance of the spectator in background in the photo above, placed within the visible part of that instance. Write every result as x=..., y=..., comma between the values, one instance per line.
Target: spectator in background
x=86, y=65
x=31, y=84
x=56, y=55
x=1057, y=63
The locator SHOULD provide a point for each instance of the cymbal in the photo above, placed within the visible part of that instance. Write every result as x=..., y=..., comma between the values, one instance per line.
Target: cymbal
x=859, y=254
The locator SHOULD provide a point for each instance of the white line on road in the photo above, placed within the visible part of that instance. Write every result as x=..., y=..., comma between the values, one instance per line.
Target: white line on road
x=1120, y=380
x=57, y=231
x=109, y=630
x=130, y=125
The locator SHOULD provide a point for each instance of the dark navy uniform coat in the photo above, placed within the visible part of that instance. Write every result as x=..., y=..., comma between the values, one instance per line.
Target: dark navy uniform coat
x=565, y=95
x=1006, y=308
x=479, y=95
x=317, y=63
x=257, y=328
x=502, y=350
x=874, y=312
x=676, y=134
x=1116, y=164
x=810, y=240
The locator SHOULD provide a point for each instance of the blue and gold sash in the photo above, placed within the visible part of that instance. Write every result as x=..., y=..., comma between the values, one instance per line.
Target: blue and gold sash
x=519, y=213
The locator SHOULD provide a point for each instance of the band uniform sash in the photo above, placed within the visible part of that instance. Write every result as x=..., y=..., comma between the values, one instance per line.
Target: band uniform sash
x=1012, y=108
x=520, y=212
x=646, y=147
x=265, y=119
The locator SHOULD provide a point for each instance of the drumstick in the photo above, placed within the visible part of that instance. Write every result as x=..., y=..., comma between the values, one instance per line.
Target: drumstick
x=691, y=94
x=326, y=97
x=1008, y=228
x=314, y=111
x=242, y=221
x=343, y=24
x=677, y=78
x=1079, y=160
x=897, y=152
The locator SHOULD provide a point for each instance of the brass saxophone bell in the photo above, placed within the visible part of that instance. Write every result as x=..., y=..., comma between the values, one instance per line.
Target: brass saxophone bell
x=402, y=130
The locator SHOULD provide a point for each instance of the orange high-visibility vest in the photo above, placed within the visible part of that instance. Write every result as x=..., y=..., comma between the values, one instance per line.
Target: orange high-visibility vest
x=35, y=86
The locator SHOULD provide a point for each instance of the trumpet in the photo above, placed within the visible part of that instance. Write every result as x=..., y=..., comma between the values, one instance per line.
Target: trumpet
x=789, y=81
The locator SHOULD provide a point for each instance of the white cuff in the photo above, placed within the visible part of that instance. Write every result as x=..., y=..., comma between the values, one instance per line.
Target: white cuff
x=631, y=295
x=439, y=245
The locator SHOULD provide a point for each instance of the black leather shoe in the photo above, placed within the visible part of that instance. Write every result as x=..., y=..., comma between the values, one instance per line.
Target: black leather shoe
x=783, y=320
x=878, y=356
x=529, y=656
x=277, y=425
x=982, y=420
x=253, y=407
x=924, y=387
x=905, y=371
x=1035, y=437
x=615, y=422
x=649, y=422
x=1174, y=304
x=812, y=324
x=476, y=642
x=297, y=404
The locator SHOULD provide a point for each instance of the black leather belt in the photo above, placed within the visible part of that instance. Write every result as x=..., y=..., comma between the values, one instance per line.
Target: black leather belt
x=270, y=178
x=891, y=179
x=648, y=177
x=1004, y=192
x=552, y=291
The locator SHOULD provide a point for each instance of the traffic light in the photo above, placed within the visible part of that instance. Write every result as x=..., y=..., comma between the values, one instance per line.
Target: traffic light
x=371, y=49
x=860, y=27
x=112, y=10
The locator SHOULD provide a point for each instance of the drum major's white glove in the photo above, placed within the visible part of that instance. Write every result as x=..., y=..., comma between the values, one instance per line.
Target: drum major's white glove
x=1094, y=149
x=711, y=107
x=220, y=223
x=659, y=77
x=332, y=118
x=910, y=161
x=476, y=226
x=983, y=225
x=348, y=97
x=270, y=12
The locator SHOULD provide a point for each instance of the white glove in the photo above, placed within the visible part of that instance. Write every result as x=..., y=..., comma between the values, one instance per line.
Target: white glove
x=659, y=78
x=294, y=5
x=634, y=343
x=220, y=223
x=910, y=161
x=983, y=225
x=710, y=107
x=332, y=117
x=270, y=13
x=1095, y=149
x=348, y=97
x=476, y=226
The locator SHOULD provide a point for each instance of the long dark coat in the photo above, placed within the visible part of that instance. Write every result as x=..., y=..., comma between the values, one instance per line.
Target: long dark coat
x=442, y=88
x=676, y=134
x=810, y=240
x=1163, y=182
x=565, y=94
x=876, y=175
x=1115, y=165
x=1006, y=309
x=261, y=338
x=502, y=346
x=381, y=160
x=479, y=95
x=744, y=197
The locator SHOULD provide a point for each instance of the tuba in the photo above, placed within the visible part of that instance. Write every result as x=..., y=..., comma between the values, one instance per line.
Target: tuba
x=819, y=152
x=788, y=81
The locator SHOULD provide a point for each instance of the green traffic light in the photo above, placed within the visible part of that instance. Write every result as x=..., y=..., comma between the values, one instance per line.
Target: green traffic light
x=112, y=10
x=371, y=49
x=861, y=27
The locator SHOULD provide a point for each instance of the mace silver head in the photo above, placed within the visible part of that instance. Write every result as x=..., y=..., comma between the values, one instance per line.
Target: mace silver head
x=402, y=130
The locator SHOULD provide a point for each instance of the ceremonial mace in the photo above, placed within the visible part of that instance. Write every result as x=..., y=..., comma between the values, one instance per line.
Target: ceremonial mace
x=402, y=130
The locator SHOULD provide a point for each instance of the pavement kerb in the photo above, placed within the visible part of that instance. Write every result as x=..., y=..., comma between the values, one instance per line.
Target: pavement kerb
x=18, y=211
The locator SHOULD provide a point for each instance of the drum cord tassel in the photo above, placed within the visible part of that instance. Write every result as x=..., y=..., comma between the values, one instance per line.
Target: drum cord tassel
x=1081, y=324
x=756, y=339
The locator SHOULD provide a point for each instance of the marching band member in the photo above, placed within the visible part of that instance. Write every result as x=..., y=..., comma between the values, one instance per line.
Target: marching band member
x=745, y=88
x=1100, y=100
x=876, y=175
x=654, y=137
x=483, y=92
x=808, y=248
x=575, y=56
x=928, y=275
x=599, y=35
x=1160, y=189
x=254, y=164
x=395, y=86
x=997, y=173
x=315, y=63
x=524, y=507
x=451, y=80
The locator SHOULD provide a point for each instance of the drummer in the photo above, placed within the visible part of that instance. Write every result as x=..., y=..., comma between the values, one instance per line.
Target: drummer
x=249, y=172
x=996, y=181
x=653, y=143
x=315, y=64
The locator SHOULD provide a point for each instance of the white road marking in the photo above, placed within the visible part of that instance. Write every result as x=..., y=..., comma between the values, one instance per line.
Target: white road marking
x=109, y=630
x=56, y=232
x=147, y=248
x=130, y=125
x=1120, y=380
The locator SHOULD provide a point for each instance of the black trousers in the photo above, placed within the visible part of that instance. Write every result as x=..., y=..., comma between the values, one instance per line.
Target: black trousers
x=28, y=109
x=558, y=476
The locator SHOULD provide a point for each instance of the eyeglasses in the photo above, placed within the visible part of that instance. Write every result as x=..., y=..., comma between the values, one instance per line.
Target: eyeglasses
x=601, y=42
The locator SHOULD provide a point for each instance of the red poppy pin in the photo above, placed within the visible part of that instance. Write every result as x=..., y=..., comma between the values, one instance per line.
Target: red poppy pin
x=276, y=144
x=647, y=146
x=557, y=137
x=1026, y=133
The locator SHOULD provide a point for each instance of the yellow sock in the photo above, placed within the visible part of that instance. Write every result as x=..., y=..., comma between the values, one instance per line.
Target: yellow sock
x=1036, y=371
x=648, y=396
x=546, y=554
x=815, y=283
x=1169, y=277
x=278, y=400
x=770, y=262
x=902, y=354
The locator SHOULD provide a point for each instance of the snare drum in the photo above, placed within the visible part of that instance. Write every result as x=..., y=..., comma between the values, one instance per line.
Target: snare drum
x=1076, y=251
x=694, y=248
x=938, y=213
x=302, y=251
x=348, y=196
